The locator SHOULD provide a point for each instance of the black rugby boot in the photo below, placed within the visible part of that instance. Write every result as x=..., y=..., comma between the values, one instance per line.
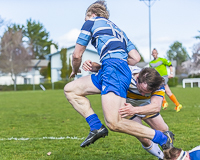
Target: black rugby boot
x=94, y=135
x=170, y=140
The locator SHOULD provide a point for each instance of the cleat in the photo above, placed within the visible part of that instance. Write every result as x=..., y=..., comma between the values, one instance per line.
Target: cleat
x=170, y=139
x=95, y=135
x=178, y=108
x=165, y=105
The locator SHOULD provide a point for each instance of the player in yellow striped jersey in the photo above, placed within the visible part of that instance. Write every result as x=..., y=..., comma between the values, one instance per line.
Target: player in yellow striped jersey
x=143, y=101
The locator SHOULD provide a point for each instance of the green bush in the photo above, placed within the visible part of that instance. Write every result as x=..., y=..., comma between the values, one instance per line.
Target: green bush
x=173, y=82
x=25, y=87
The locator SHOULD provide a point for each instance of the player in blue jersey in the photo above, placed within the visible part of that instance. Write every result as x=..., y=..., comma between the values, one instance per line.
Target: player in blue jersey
x=179, y=154
x=116, y=51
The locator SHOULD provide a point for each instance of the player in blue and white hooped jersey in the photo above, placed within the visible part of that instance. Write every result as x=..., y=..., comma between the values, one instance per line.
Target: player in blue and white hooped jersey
x=179, y=154
x=116, y=51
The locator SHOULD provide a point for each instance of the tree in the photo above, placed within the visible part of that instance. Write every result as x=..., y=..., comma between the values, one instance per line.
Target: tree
x=66, y=65
x=197, y=37
x=38, y=39
x=1, y=21
x=177, y=52
x=63, y=57
x=192, y=67
x=14, y=57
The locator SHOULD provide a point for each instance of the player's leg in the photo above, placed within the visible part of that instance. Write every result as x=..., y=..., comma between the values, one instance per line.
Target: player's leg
x=164, y=103
x=148, y=145
x=173, y=98
x=75, y=93
x=156, y=123
x=111, y=104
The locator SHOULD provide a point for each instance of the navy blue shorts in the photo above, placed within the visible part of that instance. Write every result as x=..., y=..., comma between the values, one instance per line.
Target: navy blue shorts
x=114, y=76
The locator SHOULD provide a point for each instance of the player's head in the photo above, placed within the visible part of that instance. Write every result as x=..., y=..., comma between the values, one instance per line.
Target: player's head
x=98, y=9
x=149, y=80
x=176, y=154
x=154, y=53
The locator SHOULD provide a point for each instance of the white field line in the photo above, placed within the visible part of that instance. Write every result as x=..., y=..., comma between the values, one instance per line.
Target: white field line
x=42, y=138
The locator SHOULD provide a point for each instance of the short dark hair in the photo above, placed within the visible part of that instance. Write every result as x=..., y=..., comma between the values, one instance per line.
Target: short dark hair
x=152, y=78
x=172, y=154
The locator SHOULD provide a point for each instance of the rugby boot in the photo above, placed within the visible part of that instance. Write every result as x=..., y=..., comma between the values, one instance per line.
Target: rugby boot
x=170, y=139
x=165, y=105
x=178, y=108
x=94, y=135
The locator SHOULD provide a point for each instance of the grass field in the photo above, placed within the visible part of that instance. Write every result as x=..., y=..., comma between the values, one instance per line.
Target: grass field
x=38, y=114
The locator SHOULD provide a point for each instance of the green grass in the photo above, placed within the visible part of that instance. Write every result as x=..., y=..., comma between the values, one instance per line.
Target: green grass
x=37, y=114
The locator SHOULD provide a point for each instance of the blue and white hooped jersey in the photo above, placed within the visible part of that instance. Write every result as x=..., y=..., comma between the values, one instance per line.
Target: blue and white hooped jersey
x=195, y=153
x=106, y=37
x=135, y=97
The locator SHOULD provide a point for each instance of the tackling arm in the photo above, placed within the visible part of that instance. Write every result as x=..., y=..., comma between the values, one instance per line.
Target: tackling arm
x=91, y=66
x=152, y=108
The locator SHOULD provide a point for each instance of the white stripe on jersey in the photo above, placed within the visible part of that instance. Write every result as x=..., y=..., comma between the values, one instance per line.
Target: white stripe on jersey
x=195, y=149
x=86, y=32
x=101, y=28
x=117, y=50
x=105, y=45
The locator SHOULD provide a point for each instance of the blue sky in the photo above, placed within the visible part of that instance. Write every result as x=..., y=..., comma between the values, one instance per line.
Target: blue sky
x=171, y=20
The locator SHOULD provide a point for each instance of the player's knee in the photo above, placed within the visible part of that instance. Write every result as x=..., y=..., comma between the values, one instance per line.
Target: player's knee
x=68, y=91
x=113, y=126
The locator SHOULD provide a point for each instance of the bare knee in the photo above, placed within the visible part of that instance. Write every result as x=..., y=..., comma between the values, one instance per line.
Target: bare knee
x=113, y=125
x=68, y=91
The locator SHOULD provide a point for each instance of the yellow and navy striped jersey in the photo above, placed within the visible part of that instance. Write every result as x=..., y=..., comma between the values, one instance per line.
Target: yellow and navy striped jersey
x=134, y=97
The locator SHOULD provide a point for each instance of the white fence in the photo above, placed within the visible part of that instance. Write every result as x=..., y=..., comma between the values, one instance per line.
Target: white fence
x=191, y=81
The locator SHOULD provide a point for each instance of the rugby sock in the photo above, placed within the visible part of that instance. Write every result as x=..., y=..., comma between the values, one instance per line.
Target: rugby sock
x=154, y=150
x=159, y=138
x=173, y=98
x=94, y=122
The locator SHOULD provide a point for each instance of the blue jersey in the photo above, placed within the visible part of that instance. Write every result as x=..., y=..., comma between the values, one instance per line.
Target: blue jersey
x=106, y=37
x=195, y=153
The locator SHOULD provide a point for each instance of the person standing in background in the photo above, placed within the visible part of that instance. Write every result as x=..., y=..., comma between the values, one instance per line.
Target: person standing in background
x=160, y=65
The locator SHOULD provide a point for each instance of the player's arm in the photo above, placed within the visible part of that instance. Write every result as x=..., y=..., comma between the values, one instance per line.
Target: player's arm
x=133, y=57
x=77, y=58
x=91, y=66
x=152, y=108
x=171, y=75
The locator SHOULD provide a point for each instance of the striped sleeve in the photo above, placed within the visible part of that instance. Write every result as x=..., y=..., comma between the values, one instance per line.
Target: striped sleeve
x=86, y=34
x=160, y=92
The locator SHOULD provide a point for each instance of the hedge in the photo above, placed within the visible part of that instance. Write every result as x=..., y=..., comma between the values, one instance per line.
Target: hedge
x=173, y=82
x=25, y=87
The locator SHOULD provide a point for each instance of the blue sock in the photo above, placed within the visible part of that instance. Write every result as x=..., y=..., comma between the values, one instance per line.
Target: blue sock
x=94, y=122
x=159, y=138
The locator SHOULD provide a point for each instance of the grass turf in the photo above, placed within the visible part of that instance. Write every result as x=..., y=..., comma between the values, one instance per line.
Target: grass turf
x=37, y=114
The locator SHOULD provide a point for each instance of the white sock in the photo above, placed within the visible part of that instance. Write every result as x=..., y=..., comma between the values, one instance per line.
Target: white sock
x=154, y=150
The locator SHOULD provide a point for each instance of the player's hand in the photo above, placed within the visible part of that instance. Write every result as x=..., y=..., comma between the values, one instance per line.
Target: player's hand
x=73, y=74
x=170, y=76
x=87, y=65
x=126, y=110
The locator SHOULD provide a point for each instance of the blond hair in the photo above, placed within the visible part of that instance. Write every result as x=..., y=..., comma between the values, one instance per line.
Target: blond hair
x=98, y=8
